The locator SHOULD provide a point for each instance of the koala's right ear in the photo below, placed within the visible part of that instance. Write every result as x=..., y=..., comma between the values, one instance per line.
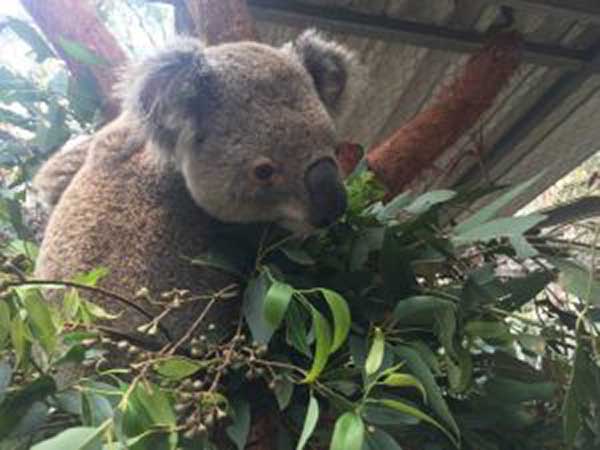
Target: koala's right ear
x=167, y=90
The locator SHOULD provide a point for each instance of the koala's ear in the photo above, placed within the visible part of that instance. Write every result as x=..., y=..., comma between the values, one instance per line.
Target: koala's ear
x=168, y=90
x=333, y=68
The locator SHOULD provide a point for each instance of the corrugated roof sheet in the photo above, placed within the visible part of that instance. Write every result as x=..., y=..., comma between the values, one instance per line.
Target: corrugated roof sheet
x=547, y=118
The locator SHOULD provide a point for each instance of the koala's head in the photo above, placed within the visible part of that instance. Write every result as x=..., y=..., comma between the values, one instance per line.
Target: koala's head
x=250, y=127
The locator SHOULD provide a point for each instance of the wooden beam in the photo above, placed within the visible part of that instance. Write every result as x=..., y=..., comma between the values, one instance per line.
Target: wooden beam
x=294, y=13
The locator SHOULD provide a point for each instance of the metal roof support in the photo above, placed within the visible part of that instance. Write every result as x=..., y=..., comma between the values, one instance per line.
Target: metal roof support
x=294, y=13
x=583, y=10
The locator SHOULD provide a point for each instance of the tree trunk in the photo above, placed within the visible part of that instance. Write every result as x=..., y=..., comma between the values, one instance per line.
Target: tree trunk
x=222, y=21
x=401, y=159
x=65, y=22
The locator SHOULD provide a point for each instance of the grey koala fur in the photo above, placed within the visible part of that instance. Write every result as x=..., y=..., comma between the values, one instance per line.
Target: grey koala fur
x=197, y=129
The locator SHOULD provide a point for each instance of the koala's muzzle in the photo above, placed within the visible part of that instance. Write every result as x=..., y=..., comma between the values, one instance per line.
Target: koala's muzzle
x=326, y=192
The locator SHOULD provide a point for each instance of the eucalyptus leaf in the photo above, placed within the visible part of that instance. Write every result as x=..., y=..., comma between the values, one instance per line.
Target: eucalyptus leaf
x=80, y=53
x=425, y=202
x=253, y=309
x=434, y=394
x=6, y=372
x=577, y=280
x=375, y=357
x=491, y=210
x=30, y=35
x=178, y=367
x=410, y=410
x=323, y=346
x=348, y=433
x=283, y=390
x=310, y=422
x=509, y=227
x=341, y=317
x=277, y=300
x=380, y=440
x=404, y=380
x=238, y=431
x=16, y=404
x=77, y=438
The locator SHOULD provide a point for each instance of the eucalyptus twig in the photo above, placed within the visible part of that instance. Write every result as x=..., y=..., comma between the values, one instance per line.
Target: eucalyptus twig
x=223, y=293
x=94, y=289
x=228, y=352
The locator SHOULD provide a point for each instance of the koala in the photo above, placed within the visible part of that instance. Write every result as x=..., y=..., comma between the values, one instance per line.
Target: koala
x=236, y=133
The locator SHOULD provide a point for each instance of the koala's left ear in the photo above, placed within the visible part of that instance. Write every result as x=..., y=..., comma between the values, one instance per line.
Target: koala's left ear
x=333, y=68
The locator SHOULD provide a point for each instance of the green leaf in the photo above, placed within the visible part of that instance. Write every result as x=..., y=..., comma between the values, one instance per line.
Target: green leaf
x=522, y=247
x=376, y=352
x=310, y=422
x=491, y=210
x=507, y=390
x=381, y=415
x=95, y=409
x=40, y=317
x=277, y=300
x=407, y=409
x=425, y=202
x=4, y=324
x=508, y=227
x=298, y=256
x=404, y=380
x=434, y=394
x=80, y=53
x=323, y=346
x=577, y=280
x=29, y=34
x=425, y=310
x=19, y=340
x=253, y=309
x=77, y=438
x=178, y=367
x=284, y=389
x=523, y=290
x=420, y=309
x=393, y=208
x=219, y=261
x=380, y=440
x=573, y=402
x=341, y=317
x=489, y=330
x=239, y=429
x=91, y=278
x=6, y=372
x=297, y=320
x=348, y=433
x=149, y=407
x=51, y=137
x=17, y=403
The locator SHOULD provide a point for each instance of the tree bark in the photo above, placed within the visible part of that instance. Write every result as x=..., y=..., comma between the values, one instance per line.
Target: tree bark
x=76, y=21
x=401, y=158
x=220, y=21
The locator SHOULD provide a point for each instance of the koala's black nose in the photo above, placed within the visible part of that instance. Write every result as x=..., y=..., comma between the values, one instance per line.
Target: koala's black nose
x=326, y=192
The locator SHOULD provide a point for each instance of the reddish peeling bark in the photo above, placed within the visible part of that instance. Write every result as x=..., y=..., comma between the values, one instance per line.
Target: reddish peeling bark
x=401, y=158
x=220, y=21
x=77, y=21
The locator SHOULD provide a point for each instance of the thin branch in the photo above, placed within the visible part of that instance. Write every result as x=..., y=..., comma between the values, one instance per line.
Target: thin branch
x=92, y=289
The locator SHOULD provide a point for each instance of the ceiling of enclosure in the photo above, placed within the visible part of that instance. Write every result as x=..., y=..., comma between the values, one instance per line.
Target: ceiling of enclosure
x=547, y=118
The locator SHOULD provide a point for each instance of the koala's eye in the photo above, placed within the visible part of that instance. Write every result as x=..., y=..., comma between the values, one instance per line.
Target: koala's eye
x=264, y=171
